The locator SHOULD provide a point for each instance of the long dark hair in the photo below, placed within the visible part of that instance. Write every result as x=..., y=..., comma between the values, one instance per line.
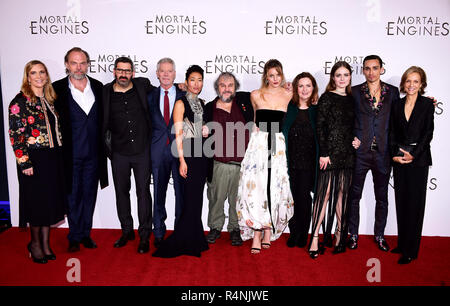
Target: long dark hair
x=332, y=85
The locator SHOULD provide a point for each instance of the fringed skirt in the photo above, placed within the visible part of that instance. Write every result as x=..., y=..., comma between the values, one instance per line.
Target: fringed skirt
x=252, y=200
x=338, y=182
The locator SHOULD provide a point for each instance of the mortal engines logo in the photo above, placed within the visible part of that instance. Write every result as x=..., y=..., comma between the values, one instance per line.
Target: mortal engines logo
x=175, y=24
x=355, y=61
x=296, y=25
x=239, y=64
x=59, y=25
x=103, y=63
x=417, y=26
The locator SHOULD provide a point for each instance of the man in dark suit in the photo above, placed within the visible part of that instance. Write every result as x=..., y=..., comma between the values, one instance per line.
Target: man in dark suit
x=79, y=105
x=226, y=156
x=161, y=102
x=373, y=103
x=127, y=132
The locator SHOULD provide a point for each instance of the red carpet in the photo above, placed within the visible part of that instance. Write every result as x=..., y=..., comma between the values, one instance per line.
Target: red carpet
x=222, y=265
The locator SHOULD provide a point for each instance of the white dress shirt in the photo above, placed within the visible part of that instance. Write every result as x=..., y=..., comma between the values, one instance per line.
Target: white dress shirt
x=85, y=99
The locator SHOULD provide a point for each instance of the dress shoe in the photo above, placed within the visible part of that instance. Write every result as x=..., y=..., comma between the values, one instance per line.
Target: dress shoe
x=235, y=236
x=212, y=236
x=74, y=246
x=404, y=260
x=292, y=241
x=353, y=242
x=396, y=250
x=122, y=241
x=88, y=243
x=157, y=242
x=50, y=256
x=143, y=247
x=381, y=243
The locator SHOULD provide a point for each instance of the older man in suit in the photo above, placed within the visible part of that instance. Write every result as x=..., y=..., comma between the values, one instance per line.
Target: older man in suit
x=79, y=105
x=161, y=102
x=127, y=130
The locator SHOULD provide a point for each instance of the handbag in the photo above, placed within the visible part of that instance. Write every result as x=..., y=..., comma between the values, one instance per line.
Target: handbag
x=407, y=148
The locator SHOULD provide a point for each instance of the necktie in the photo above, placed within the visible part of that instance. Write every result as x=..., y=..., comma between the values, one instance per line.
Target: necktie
x=166, y=108
x=166, y=111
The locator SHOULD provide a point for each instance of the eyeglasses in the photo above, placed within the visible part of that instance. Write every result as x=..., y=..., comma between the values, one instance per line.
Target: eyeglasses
x=126, y=71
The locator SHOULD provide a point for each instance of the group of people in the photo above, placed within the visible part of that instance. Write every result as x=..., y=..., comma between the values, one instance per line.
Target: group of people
x=265, y=152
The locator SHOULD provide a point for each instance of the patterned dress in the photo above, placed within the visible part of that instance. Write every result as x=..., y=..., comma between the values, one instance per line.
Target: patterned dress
x=264, y=195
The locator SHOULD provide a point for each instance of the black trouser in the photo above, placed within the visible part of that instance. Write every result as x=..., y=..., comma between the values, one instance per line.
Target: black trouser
x=301, y=185
x=121, y=169
x=381, y=172
x=410, y=195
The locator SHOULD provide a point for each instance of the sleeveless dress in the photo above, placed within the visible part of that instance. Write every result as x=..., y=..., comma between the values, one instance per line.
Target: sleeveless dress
x=264, y=194
x=188, y=237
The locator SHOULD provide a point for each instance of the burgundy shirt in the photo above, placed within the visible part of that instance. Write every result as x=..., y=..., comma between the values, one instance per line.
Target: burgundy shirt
x=235, y=138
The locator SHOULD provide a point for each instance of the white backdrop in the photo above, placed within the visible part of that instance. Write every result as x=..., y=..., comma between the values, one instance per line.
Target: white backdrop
x=238, y=36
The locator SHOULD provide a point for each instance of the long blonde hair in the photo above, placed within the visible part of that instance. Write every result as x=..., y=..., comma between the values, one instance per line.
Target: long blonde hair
x=49, y=92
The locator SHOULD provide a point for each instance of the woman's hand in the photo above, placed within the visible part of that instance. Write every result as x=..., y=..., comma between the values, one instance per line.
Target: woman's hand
x=401, y=160
x=205, y=131
x=183, y=169
x=323, y=162
x=28, y=171
x=407, y=156
x=356, y=143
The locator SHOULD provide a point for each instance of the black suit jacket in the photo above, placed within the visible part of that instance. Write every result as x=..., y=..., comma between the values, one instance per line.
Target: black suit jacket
x=143, y=87
x=62, y=107
x=418, y=130
x=242, y=100
x=368, y=124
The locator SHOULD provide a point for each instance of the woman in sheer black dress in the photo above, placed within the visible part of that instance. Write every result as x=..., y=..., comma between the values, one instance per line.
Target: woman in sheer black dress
x=335, y=121
x=188, y=237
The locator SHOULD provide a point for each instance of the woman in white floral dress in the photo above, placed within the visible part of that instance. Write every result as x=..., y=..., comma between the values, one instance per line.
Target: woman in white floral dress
x=265, y=203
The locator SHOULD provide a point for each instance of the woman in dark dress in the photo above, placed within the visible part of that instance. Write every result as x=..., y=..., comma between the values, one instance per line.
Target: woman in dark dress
x=411, y=131
x=36, y=140
x=299, y=130
x=335, y=121
x=188, y=237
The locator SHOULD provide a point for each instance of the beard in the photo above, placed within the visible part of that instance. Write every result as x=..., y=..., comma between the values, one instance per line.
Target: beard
x=229, y=99
x=123, y=81
x=78, y=77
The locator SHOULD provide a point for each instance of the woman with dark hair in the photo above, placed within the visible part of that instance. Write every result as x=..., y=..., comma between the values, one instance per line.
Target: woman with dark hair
x=411, y=132
x=299, y=130
x=35, y=136
x=188, y=237
x=264, y=197
x=335, y=122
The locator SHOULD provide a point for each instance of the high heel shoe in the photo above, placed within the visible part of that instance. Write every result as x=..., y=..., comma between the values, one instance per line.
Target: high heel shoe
x=256, y=250
x=50, y=256
x=315, y=253
x=265, y=245
x=42, y=260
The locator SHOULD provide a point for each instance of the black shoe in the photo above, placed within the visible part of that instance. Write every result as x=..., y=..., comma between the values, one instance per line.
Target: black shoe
x=157, y=242
x=144, y=247
x=404, y=260
x=74, y=246
x=88, y=243
x=396, y=250
x=235, y=236
x=339, y=249
x=50, y=256
x=42, y=260
x=353, y=242
x=292, y=241
x=212, y=236
x=123, y=240
x=381, y=243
